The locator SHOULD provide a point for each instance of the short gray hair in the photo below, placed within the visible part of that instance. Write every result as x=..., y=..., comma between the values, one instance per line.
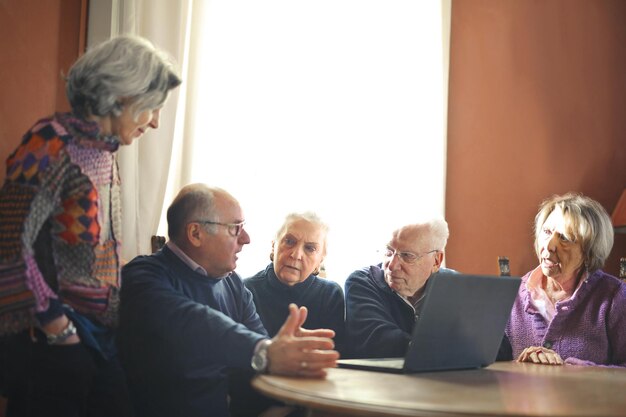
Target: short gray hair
x=193, y=202
x=587, y=222
x=308, y=216
x=125, y=67
x=439, y=233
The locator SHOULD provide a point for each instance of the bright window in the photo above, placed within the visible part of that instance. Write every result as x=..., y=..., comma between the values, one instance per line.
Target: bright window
x=331, y=106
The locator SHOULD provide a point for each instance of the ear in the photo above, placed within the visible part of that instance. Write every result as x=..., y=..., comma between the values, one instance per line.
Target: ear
x=319, y=266
x=272, y=252
x=438, y=261
x=194, y=234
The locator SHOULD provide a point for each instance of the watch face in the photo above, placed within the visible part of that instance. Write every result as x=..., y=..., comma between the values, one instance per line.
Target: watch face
x=259, y=361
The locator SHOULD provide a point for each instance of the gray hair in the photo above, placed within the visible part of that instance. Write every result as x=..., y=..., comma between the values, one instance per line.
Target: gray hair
x=587, y=222
x=307, y=216
x=125, y=67
x=193, y=202
x=438, y=232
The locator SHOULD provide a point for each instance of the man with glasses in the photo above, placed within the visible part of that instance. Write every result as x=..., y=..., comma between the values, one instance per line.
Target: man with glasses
x=186, y=317
x=384, y=300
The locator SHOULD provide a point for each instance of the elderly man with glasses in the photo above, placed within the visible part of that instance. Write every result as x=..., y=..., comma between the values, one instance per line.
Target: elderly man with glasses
x=186, y=318
x=384, y=300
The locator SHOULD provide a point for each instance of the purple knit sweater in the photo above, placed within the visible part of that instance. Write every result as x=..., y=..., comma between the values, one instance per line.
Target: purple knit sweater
x=588, y=329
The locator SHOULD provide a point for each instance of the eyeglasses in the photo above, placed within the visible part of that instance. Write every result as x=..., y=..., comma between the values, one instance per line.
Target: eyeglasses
x=408, y=258
x=234, y=229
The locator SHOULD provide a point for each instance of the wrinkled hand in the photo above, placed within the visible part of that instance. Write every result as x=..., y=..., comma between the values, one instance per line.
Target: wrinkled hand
x=296, y=351
x=538, y=354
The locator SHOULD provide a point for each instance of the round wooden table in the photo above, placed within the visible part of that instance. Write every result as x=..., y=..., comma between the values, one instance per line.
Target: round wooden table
x=502, y=389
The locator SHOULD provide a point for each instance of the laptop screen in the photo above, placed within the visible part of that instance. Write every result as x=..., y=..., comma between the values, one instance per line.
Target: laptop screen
x=461, y=324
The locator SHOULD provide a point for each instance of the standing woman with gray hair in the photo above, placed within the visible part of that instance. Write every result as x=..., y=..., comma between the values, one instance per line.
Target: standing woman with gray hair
x=568, y=310
x=60, y=235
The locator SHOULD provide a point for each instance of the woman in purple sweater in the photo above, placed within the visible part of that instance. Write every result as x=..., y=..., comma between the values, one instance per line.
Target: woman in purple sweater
x=567, y=309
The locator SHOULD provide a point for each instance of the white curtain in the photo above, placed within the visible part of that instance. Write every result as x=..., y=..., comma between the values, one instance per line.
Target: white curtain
x=145, y=165
x=336, y=106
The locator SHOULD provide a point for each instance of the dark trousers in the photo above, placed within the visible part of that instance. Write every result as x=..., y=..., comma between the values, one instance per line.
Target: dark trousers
x=69, y=380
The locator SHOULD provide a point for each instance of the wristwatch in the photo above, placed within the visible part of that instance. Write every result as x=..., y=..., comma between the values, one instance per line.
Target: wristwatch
x=260, y=362
x=55, y=339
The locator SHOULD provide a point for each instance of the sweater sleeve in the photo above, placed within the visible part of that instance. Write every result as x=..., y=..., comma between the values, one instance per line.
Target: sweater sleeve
x=161, y=325
x=371, y=330
x=615, y=324
x=25, y=206
x=250, y=317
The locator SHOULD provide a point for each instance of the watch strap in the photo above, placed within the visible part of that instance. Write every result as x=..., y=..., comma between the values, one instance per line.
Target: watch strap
x=55, y=339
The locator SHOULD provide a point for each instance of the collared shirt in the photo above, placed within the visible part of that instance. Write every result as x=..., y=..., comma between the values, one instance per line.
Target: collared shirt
x=190, y=262
x=186, y=259
x=540, y=299
x=417, y=306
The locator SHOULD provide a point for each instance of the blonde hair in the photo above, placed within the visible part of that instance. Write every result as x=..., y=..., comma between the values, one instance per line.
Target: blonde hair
x=587, y=222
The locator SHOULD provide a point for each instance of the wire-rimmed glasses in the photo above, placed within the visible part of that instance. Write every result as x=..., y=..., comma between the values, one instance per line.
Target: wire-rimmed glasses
x=234, y=229
x=408, y=258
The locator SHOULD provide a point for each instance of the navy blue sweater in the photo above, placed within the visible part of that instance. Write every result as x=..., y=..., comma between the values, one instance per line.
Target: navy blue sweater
x=379, y=322
x=179, y=333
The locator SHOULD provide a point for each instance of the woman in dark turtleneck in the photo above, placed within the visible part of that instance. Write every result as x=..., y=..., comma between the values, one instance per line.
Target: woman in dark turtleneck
x=298, y=251
x=297, y=254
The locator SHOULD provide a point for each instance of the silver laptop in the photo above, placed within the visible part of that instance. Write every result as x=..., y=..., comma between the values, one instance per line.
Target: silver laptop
x=460, y=326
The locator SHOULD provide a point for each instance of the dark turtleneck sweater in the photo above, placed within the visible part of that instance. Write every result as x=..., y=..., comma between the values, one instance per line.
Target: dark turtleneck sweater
x=323, y=298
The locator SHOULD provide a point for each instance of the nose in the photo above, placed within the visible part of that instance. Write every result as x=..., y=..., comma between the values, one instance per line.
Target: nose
x=549, y=244
x=296, y=252
x=394, y=262
x=244, y=237
x=154, y=122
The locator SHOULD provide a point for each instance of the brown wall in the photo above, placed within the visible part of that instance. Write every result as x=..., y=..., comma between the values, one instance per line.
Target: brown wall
x=537, y=107
x=38, y=41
